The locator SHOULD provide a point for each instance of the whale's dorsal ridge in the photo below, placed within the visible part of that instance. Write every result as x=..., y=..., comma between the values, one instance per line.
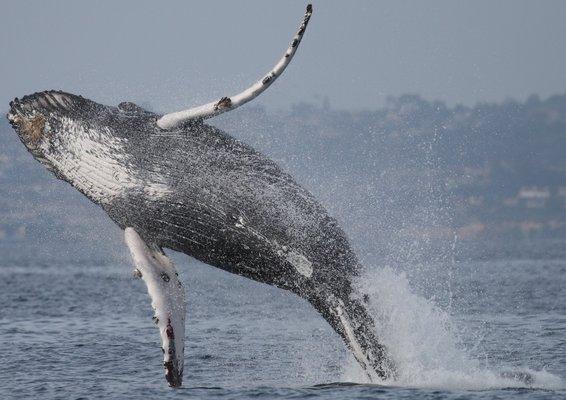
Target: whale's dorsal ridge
x=131, y=108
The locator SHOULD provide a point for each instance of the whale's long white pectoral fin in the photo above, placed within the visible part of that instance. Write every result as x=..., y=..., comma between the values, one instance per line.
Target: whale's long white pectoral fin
x=167, y=300
x=169, y=121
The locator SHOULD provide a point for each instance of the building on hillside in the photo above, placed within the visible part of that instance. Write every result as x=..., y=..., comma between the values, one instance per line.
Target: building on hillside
x=533, y=197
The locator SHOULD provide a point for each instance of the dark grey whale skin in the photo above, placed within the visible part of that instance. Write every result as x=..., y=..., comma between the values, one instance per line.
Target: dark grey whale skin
x=226, y=205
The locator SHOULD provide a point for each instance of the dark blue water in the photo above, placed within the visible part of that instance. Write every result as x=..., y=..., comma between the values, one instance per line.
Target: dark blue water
x=74, y=330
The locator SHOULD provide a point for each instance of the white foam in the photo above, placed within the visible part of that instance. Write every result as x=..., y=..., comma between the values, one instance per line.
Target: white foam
x=425, y=345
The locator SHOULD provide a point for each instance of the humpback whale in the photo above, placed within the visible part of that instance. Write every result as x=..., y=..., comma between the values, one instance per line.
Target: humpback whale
x=174, y=182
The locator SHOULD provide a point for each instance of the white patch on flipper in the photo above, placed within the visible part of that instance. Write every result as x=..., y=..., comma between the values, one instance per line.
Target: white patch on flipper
x=300, y=262
x=167, y=297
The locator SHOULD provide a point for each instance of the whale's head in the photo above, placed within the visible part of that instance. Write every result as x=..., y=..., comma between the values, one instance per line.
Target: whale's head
x=81, y=141
x=48, y=123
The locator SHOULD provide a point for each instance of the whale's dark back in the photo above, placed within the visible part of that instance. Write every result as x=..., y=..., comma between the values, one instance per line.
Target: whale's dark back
x=229, y=206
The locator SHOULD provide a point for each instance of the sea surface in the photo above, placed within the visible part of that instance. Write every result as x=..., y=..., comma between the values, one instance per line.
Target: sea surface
x=473, y=328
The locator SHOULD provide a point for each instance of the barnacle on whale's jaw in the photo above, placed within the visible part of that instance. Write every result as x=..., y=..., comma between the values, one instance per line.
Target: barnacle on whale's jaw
x=31, y=130
x=13, y=118
x=29, y=121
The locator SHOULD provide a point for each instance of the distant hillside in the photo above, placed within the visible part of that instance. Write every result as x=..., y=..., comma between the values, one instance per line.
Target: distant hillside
x=412, y=171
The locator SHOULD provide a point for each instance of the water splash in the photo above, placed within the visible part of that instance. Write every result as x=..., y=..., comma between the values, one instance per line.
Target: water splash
x=425, y=343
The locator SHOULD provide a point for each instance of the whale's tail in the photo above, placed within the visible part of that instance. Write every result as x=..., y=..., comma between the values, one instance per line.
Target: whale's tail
x=350, y=318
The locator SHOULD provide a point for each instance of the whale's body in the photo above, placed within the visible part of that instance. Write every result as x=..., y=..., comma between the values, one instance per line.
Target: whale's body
x=181, y=184
x=196, y=190
x=200, y=191
x=217, y=199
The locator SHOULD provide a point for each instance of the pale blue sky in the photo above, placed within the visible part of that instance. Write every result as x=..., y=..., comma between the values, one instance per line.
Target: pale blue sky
x=174, y=54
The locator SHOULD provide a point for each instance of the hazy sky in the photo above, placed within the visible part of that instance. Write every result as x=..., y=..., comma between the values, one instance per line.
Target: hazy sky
x=173, y=54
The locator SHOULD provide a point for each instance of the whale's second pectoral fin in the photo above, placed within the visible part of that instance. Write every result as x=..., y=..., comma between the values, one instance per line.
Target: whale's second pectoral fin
x=167, y=300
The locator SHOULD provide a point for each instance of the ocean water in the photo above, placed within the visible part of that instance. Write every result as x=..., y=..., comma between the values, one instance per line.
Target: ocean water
x=486, y=327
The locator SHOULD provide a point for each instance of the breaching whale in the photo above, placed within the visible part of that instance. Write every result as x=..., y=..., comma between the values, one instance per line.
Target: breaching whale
x=172, y=181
